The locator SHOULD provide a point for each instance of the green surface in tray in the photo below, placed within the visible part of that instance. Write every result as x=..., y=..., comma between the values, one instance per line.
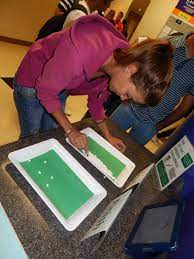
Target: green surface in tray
x=109, y=160
x=56, y=179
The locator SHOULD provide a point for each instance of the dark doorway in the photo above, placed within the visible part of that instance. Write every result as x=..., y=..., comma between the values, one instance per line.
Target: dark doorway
x=134, y=15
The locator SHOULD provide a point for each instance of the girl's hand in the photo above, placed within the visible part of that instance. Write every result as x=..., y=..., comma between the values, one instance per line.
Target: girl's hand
x=118, y=143
x=79, y=140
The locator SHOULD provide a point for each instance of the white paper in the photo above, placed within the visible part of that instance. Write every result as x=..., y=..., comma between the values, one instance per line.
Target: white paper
x=108, y=216
x=174, y=31
x=166, y=29
x=175, y=162
x=162, y=35
x=140, y=177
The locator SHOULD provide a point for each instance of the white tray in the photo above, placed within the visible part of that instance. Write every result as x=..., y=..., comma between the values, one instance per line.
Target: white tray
x=99, y=192
x=122, y=178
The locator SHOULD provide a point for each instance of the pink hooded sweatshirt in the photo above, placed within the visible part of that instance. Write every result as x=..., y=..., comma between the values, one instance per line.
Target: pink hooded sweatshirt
x=67, y=60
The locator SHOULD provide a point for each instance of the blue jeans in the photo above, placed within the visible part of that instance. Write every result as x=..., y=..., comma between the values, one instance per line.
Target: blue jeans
x=125, y=118
x=33, y=118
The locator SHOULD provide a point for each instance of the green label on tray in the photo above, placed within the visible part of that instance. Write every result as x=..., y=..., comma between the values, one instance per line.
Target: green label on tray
x=111, y=162
x=57, y=180
x=187, y=160
x=162, y=173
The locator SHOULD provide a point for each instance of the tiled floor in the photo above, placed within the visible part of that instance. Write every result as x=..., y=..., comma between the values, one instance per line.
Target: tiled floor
x=9, y=127
x=11, y=56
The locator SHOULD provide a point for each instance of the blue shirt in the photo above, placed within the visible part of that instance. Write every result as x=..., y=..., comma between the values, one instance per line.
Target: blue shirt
x=181, y=85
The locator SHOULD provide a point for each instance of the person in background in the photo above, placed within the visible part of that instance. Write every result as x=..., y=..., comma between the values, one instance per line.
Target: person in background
x=110, y=16
x=92, y=6
x=146, y=121
x=125, y=28
x=88, y=59
x=118, y=22
x=55, y=23
x=64, y=6
x=68, y=11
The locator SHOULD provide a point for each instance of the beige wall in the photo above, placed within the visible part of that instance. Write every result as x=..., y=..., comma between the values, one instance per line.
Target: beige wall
x=154, y=18
x=22, y=19
x=120, y=6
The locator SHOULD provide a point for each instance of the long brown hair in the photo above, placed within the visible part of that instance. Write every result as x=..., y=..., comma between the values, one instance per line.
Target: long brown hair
x=153, y=59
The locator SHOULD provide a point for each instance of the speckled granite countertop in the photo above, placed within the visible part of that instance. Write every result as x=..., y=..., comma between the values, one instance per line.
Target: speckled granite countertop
x=41, y=234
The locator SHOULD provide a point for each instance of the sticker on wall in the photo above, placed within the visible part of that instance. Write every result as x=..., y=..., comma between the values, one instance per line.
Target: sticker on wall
x=185, y=10
x=175, y=162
